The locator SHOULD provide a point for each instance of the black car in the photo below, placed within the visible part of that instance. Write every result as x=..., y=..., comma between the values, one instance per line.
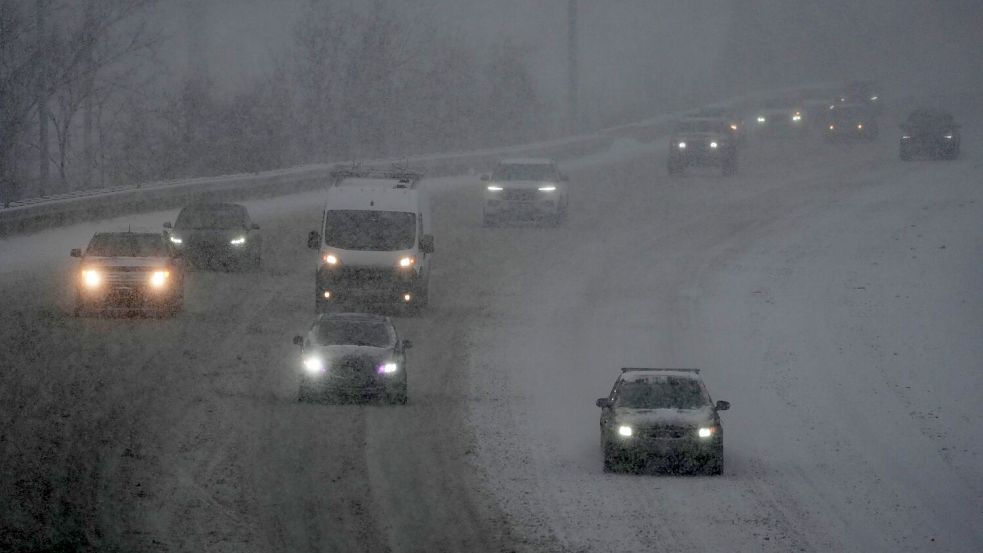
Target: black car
x=129, y=271
x=662, y=414
x=930, y=132
x=217, y=235
x=707, y=142
x=353, y=356
x=851, y=122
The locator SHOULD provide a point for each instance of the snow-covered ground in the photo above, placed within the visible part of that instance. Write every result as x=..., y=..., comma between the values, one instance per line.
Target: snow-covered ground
x=830, y=292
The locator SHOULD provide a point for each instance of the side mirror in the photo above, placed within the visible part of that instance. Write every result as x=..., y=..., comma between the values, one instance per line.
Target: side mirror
x=254, y=227
x=314, y=240
x=76, y=252
x=603, y=402
x=407, y=344
x=426, y=243
x=486, y=177
x=168, y=225
x=298, y=340
x=564, y=177
x=723, y=405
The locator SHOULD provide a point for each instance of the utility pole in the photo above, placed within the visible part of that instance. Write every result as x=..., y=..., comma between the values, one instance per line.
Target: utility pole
x=573, y=111
x=42, y=98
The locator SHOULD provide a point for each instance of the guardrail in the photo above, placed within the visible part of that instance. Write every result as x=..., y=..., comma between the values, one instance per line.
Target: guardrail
x=39, y=213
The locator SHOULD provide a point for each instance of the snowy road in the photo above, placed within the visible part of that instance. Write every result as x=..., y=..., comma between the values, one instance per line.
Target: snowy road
x=813, y=289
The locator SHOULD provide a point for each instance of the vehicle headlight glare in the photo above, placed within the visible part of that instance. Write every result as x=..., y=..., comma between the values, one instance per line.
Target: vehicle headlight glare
x=831, y=127
x=733, y=126
x=407, y=261
x=330, y=259
x=176, y=240
x=158, y=279
x=625, y=431
x=388, y=368
x=796, y=118
x=905, y=137
x=238, y=241
x=761, y=119
x=705, y=432
x=682, y=145
x=860, y=125
x=714, y=145
x=547, y=188
x=873, y=98
x=314, y=364
x=948, y=137
x=91, y=278
x=494, y=188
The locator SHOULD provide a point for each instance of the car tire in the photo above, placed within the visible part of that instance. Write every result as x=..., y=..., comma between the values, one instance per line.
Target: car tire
x=397, y=396
x=714, y=465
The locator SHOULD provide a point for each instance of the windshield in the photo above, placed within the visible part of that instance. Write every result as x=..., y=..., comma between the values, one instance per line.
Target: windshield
x=127, y=244
x=663, y=393
x=701, y=126
x=528, y=171
x=370, y=333
x=847, y=114
x=370, y=230
x=212, y=217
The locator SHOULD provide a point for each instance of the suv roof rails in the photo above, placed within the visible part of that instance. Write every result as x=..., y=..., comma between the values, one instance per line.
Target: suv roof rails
x=404, y=178
x=626, y=369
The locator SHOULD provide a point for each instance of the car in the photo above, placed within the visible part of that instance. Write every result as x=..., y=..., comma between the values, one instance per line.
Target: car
x=217, y=235
x=702, y=142
x=128, y=271
x=661, y=414
x=865, y=92
x=353, y=356
x=779, y=117
x=929, y=132
x=533, y=188
x=375, y=245
x=850, y=122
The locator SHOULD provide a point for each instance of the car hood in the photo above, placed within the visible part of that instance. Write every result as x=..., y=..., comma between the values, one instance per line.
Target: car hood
x=331, y=353
x=126, y=261
x=699, y=137
x=674, y=417
x=209, y=234
x=525, y=184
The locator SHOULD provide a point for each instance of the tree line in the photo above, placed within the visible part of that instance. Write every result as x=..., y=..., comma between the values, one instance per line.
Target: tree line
x=87, y=102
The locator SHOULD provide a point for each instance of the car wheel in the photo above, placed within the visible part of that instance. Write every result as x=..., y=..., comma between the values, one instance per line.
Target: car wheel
x=714, y=465
x=397, y=396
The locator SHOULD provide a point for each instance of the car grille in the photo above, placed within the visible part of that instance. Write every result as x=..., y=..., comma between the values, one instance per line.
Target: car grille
x=667, y=432
x=365, y=276
x=354, y=370
x=520, y=195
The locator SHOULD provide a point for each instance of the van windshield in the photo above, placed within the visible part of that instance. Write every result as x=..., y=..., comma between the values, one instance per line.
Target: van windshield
x=370, y=230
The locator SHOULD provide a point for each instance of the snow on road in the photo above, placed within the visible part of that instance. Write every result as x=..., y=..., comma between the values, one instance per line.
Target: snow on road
x=829, y=292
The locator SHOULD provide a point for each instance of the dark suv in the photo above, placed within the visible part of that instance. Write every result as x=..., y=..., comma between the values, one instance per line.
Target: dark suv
x=930, y=132
x=217, y=234
x=128, y=271
x=353, y=356
x=703, y=142
x=664, y=414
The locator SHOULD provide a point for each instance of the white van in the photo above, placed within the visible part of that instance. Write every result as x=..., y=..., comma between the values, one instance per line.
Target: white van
x=375, y=241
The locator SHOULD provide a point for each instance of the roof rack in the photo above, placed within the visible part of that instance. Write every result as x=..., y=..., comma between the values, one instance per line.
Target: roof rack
x=626, y=369
x=404, y=178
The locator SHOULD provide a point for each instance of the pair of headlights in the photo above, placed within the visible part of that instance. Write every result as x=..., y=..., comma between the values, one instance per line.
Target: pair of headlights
x=237, y=241
x=404, y=262
x=544, y=188
x=713, y=145
x=315, y=365
x=93, y=278
x=703, y=432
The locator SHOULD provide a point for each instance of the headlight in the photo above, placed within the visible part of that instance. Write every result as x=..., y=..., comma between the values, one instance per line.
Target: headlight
x=176, y=240
x=761, y=119
x=905, y=137
x=314, y=364
x=860, y=125
x=682, y=145
x=547, y=188
x=330, y=259
x=733, y=126
x=91, y=277
x=388, y=368
x=238, y=241
x=158, y=279
x=948, y=137
x=713, y=145
x=873, y=98
x=494, y=188
x=796, y=118
x=625, y=431
x=831, y=127
x=408, y=261
x=706, y=431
